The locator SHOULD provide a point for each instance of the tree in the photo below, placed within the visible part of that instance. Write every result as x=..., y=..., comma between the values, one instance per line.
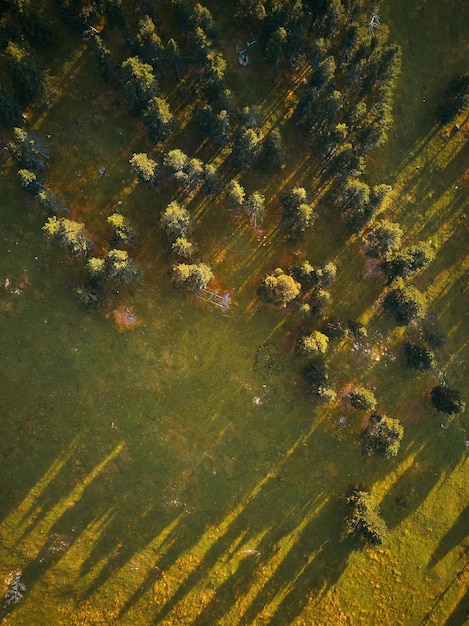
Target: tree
x=140, y=84
x=254, y=9
x=104, y=60
x=145, y=169
x=313, y=344
x=383, y=239
x=318, y=302
x=297, y=216
x=212, y=180
x=195, y=276
x=276, y=45
x=447, y=400
x=27, y=78
x=33, y=24
x=220, y=127
x=123, y=233
x=404, y=302
x=10, y=112
x=183, y=247
x=325, y=394
x=158, y=119
x=150, y=46
x=419, y=356
x=201, y=47
x=181, y=11
x=279, y=288
x=273, y=150
x=255, y=207
x=121, y=268
x=362, y=398
x=174, y=55
x=215, y=68
x=408, y=261
x=176, y=220
x=69, y=234
x=235, y=194
x=455, y=99
x=202, y=18
x=50, y=202
x=365, y=518
x=175, y=161
x=382, y=436
x=28, y=150
x=28, y=181
x=354, y=201
x=323, y=74
x=246, y=148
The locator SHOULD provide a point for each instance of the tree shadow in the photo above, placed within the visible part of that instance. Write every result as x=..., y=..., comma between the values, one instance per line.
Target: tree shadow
x=437, y=458
x=460, y=614
x=455, y=536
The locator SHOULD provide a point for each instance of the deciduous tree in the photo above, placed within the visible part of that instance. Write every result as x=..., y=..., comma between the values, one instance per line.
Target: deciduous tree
x=447, y=400
x=382, y=436
x=279, y=288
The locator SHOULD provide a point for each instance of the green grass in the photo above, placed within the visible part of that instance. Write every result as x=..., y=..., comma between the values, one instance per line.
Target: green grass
x=140, y=480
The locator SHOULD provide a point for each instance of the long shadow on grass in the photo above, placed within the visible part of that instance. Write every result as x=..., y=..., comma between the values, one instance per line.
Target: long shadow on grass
x=455, y=536
x=460, y=615
x=281, y=543
x=311, y=564
x=437, y=458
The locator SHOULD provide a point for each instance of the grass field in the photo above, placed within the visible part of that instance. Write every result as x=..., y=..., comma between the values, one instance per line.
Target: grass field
x=150, y=476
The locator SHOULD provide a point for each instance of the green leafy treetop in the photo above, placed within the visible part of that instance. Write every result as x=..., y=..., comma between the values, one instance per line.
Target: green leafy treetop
x=383, y=238
x=382, y=436
x=158, y=119
x=447, y=400
x=69, y=234
x=183, y=247
x=123, y=233
x=140, y=84
x=235, y=194
x=279, y=288
x=298, y=216
x=176, y=220
x=195, y=276
x=144, y=168
x=117, y=266
x=408, y=261
x=404, y=302
x=362, y=398
x=313, y=344
x=365, y=519
x=419, y=356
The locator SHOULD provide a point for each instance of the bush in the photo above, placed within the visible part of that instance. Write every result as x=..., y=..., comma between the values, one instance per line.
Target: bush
x=268, y=361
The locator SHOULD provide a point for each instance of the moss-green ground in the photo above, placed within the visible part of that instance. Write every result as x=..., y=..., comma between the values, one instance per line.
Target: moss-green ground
x=141, y=481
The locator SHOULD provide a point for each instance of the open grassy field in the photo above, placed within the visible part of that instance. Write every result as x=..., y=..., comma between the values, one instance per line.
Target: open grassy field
x=150, y=475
